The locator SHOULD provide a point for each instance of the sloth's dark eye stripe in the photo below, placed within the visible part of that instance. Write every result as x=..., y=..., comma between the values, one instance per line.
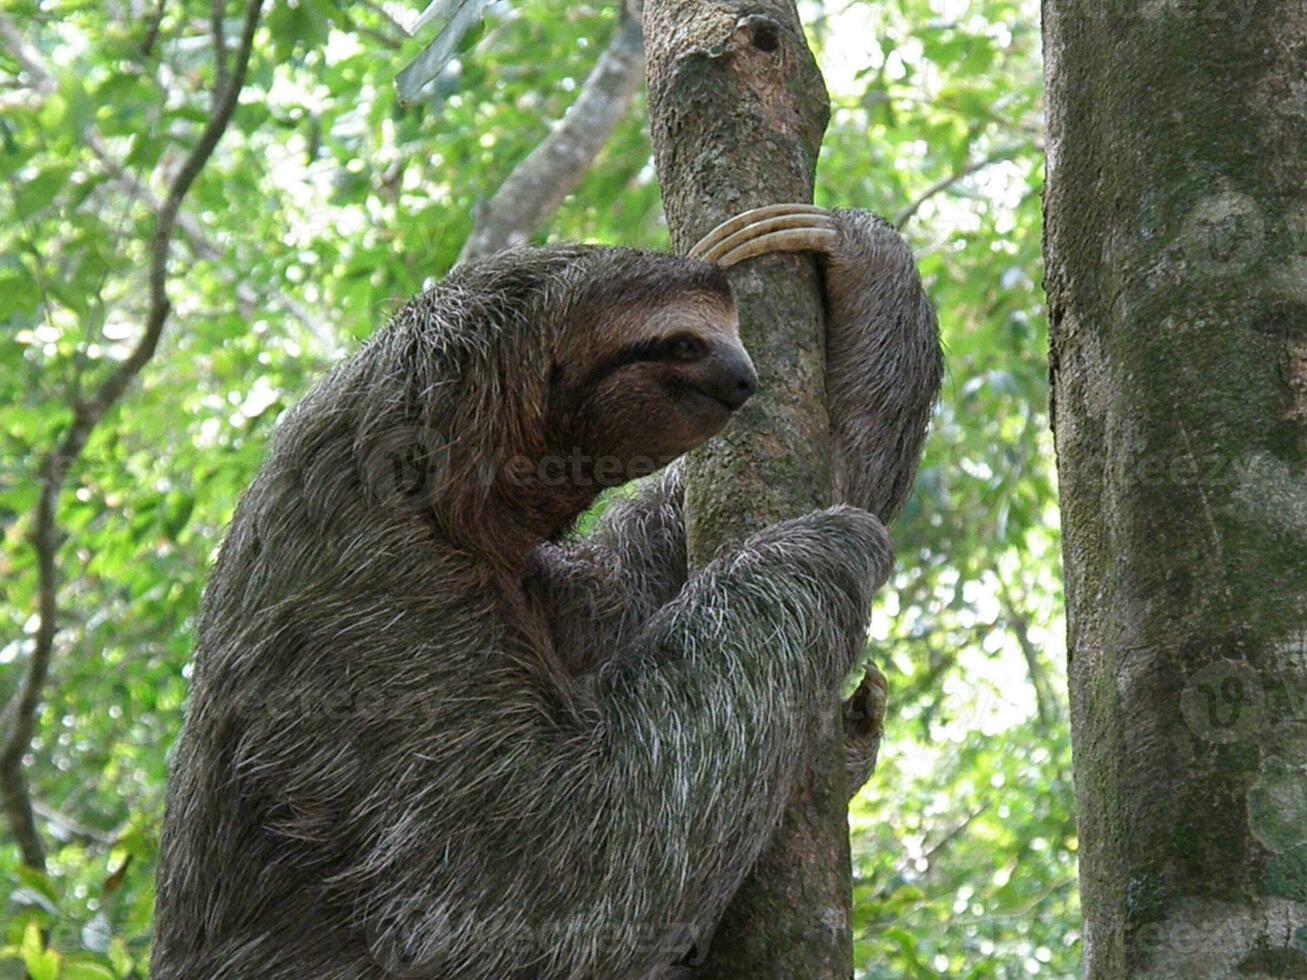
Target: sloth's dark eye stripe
x=657, y=350
x=648, y=350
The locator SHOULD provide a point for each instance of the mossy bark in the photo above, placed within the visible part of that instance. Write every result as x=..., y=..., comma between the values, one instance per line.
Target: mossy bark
x=1176, y=254
x=738, y=109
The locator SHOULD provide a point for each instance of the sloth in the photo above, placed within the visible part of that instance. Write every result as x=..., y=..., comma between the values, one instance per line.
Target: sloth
x=435, y=732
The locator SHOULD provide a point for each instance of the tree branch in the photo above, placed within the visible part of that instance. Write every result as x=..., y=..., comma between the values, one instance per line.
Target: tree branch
x=906, y=215
x=537, y=186
x=396, y=28
x=218, y=10
x=72, y=827
x=152, y=30
x=200, y=245
x=1046, y=703
x=19, y=720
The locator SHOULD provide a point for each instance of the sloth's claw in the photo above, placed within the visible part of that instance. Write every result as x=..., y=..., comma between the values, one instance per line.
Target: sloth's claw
x=789, y=240
x=734, y=224
x=864, y=724
x=775, y=228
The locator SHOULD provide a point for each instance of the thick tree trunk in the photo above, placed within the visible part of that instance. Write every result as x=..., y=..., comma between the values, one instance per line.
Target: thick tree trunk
x=738, y=109
x=1177, y=282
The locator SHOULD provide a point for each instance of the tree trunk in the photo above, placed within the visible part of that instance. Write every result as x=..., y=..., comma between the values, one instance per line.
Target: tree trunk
x=737, y=109
x=1177, y=282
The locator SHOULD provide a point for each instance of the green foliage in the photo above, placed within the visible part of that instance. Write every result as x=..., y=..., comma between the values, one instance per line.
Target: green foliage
x=325, y=205
x=965, y=841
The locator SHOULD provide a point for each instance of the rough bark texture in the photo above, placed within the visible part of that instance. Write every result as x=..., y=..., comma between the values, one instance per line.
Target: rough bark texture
x=1177, y=280
x=536, y=188
x=738, y=109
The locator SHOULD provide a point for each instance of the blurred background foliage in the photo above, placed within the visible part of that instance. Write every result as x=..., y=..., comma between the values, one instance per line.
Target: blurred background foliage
x=327, y=204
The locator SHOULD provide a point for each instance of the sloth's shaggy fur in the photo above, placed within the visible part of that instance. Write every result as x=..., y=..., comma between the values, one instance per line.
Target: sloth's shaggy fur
x=431, y=736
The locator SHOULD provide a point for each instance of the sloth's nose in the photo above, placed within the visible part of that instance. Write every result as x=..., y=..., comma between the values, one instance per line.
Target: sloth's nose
x=732, y=379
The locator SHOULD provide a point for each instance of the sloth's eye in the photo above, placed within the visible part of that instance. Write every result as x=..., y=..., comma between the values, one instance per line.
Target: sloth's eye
x=686, y=349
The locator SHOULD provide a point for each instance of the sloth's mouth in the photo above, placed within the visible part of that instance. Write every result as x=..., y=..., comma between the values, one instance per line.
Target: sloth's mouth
x=705, y=403
x=693, y=399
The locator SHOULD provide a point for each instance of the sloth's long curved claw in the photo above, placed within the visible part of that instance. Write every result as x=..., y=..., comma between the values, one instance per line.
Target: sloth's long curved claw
x=790, y=240
x=775, y=228
x=732, y=225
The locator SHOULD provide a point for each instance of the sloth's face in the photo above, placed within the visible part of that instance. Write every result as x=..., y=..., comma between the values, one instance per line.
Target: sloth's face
x=671, y=381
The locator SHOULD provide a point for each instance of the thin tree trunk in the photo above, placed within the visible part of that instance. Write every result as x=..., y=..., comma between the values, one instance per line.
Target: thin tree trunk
x=1177, y=281
x=737, y=110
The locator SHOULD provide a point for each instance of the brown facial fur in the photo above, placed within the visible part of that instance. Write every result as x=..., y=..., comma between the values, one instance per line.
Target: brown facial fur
x=620, y=402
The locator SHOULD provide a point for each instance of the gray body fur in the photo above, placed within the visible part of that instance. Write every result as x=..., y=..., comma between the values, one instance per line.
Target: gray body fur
x=423, y=743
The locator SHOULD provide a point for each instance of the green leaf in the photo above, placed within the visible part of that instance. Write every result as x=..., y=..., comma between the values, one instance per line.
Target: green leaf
x=37, y=194
x=414, y=82
x=18, y=294
x=86, y=969
x=41, y=963
x=38, y=883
